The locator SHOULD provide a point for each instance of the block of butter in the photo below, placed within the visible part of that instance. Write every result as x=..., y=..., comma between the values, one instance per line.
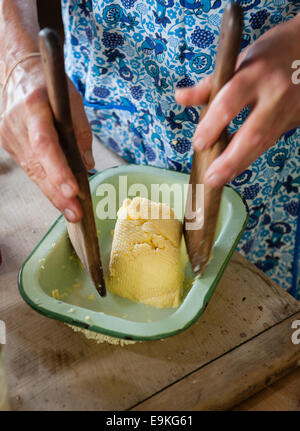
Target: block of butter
x=145, y=264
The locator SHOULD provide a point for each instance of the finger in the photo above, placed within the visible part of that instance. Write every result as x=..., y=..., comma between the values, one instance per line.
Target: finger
x=81, y=127
x=197, y=95
x=258, y=132
x=35, y=171
x=70, y=208
x=228, y=102
x=46, y=150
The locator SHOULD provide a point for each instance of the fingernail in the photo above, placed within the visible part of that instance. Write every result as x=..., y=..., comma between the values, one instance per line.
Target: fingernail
x=214, y=180
x=70, y=215
x=199, y=143
x=88, y=158
x=67, y=190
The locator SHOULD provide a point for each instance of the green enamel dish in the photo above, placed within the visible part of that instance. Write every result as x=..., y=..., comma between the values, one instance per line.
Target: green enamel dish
x=53, y=282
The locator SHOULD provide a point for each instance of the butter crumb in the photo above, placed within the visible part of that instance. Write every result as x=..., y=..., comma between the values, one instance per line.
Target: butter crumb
x=56, y=295
x=101, y=338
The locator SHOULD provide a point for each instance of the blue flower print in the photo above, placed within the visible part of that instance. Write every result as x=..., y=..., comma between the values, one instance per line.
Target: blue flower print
x=158, y=130
x=189, y=20
x=277, y=157
x=241, y=117
x=180, y=70
x=164, y=71
x=170, y=135
x=137, y=92
x=185, y=82
x=200, y=63
x=150, y=26
x=127, y=57
x=293, y=208
x=202, y=38
x=150, y=154
x=129, y=51
x=112, y=40
x=267, y=190
x=142, y=8
x=214, y=20
x=101, y=92
x=173, y=42
x=248, y=4
x=113, y=144
x=275, y=19
x=74, y=40
x=83, y=21
x=243, y=178
x=98, y=18
x=180, y=32
x=100, y=61
x=149, y=97
x=247, y=246
x=181, y=145
x=251, y=191
x=165, y=105
x=147, y=81
x=152, y=68
x=134, y=64
x=188, y=133
x=128, y=3
x=112, y=14
x=97, y=45
x=138, y=37
x=258, y=19
x=172, y=13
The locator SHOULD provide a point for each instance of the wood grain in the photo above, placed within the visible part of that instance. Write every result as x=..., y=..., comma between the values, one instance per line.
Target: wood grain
x=200, y=240
x=236, y=375
x=284, y=395
x=83, y=234
x=51, y=368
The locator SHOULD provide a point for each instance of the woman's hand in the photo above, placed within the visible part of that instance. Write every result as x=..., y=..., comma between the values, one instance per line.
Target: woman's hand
x=263, y=81
x=28, y=134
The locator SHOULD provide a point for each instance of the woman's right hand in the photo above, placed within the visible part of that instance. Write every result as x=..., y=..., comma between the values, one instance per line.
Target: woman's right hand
x=28, y=134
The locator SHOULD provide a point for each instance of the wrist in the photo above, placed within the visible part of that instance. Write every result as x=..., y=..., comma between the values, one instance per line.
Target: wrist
x=18, y=32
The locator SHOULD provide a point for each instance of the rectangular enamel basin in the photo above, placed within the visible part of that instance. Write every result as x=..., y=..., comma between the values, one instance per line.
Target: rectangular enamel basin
x=53, y=268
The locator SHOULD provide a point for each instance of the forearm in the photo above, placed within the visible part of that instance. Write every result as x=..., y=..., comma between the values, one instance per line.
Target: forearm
x=18, y=31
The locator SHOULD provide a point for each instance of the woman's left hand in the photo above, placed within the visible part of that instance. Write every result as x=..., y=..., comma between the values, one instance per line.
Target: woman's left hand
x=263, y=81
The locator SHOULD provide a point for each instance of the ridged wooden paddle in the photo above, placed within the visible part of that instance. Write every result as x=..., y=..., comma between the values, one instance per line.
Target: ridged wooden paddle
x=83, y=235
x=200, y=240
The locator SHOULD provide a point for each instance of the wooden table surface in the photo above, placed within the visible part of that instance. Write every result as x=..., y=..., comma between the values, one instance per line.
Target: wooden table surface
x=49, y=367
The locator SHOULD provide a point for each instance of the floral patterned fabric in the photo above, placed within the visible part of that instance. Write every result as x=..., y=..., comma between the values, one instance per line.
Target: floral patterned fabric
x=127, y=57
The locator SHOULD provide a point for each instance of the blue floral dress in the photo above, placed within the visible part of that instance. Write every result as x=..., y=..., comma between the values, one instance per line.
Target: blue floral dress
x=127, y=57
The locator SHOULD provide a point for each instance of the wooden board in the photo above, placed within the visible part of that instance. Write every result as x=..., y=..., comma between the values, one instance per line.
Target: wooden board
x=243, y=337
